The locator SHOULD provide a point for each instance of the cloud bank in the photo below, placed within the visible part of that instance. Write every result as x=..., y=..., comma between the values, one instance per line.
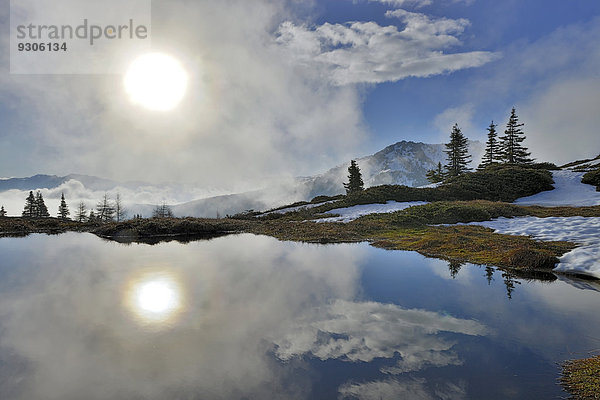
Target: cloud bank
x=365, y=52
x=269, y=96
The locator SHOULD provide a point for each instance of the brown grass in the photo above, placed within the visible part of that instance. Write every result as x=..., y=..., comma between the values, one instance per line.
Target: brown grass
x=581, y=378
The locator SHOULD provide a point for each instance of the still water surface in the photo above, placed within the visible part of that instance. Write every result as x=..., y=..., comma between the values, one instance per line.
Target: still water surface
x=249, y=317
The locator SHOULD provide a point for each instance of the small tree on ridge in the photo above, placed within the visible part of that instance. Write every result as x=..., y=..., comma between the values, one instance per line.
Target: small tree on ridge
x=457, y=151
x=355, y=183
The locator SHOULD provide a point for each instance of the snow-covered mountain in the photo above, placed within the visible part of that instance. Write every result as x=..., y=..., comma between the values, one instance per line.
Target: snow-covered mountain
x=403, y=163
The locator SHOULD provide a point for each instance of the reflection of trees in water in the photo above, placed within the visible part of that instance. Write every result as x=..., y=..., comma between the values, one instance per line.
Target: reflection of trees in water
x=509, y=279
x=509, y=282
x=454, y=268
x=489, y=274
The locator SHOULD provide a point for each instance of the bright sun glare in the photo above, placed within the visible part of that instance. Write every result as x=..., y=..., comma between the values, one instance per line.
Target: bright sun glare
x=155, y=298
x=156, y=81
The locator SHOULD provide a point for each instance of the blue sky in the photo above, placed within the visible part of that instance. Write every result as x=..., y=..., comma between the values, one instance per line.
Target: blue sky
x=406, y=109
x=282, y=88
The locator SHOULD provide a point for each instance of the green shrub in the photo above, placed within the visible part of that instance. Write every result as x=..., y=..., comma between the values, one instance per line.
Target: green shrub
x=592, y=178
x=544, y=165
x=495, y=183
x=454, y=212
x=322, y=199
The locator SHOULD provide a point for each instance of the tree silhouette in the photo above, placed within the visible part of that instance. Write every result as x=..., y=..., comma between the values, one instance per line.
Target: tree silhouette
x=81, y=213
x=355, y=183
x=41, y=209
x=120, y=211
x=492, y=148
x=454, y=268
x=63, y=209
x=2, y=212
x=105, y=209
x=457, y=151
x=30, y=210
x=162, y=211
x=513, y=152
x=489, y=274
x=509, y=282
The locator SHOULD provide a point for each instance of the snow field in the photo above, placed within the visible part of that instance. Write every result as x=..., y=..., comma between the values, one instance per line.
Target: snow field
x=351, y=213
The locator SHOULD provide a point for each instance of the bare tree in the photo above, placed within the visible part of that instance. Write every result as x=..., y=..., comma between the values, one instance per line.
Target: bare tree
x=162, y=211
x=120, y=211
x=105, y=209
x=81, y=213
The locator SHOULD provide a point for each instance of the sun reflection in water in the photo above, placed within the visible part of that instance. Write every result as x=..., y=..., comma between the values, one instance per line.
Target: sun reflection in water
x=155, y=298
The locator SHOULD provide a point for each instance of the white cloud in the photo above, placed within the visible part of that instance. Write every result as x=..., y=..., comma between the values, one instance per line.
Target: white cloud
x=562, y=121
x=402, y=3
x=248, y=115
x=461, y=115
x=393, y=389
x=364, y=331
x=365, y=52
x=553, y=82
x=70, y=335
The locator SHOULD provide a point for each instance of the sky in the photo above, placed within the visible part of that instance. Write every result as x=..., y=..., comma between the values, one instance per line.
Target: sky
x=283, y=88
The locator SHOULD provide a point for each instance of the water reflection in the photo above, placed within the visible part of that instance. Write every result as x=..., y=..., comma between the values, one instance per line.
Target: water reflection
x=155, y=298
x=250, y=317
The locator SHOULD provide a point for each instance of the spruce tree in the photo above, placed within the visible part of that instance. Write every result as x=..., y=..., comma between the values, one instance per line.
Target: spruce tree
x=492, y=148
x=436, y=175
x=81, y=213
x=2, y=212
x=92, y=217
x=355, y=183
x=512, y=151
x=30, y=210
x=41, y=209
x=63, y=208
x=457, y=151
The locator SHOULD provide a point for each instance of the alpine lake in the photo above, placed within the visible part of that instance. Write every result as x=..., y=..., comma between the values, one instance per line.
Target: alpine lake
x=250, y=317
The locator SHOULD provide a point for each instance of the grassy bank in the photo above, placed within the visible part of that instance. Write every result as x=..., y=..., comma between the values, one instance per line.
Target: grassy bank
x=409, y=229
x=581, y=378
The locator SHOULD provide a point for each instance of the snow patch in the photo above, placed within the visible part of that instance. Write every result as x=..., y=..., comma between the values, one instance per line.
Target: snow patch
x=297, y=208
x=348, y=214
x=581, y=230
x=568, y=191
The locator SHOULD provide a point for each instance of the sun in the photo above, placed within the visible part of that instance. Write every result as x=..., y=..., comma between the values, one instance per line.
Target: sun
x=156, y=81
x=155, y=298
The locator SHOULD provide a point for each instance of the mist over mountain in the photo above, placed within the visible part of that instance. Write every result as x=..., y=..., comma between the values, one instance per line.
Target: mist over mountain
x=403, y=163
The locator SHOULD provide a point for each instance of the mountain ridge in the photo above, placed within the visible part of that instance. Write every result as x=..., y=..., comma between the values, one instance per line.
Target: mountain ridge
x=401, y=163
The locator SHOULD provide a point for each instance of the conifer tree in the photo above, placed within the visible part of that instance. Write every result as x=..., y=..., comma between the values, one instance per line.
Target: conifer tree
x=436, y=175
x=513, y=152
x=355, y=183
x=2, y=212
x=30, y=210
x=81, y=213
x=492, y=148
x=457, y=151
x=42, y=210
x=63, y=208
x=105, y=209
x=92, y=217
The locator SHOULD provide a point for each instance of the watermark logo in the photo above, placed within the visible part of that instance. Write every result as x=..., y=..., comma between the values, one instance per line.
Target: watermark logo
x=77, y=36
